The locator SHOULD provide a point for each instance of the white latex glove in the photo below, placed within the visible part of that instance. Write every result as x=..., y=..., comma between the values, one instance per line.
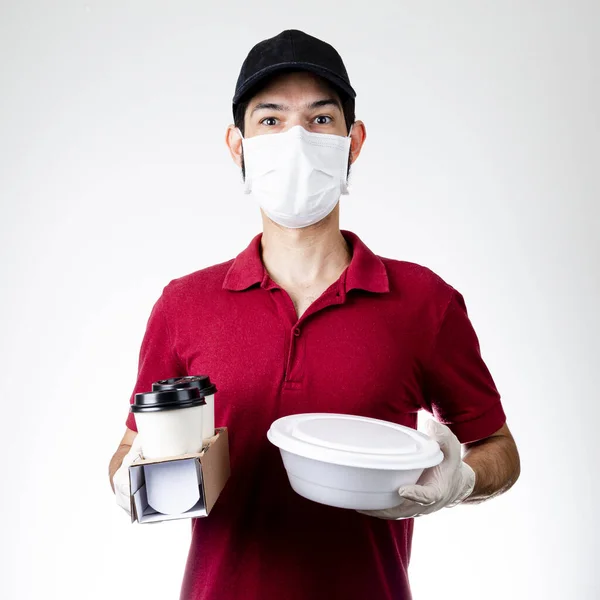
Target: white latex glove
x=121, y=477
x=445, y=485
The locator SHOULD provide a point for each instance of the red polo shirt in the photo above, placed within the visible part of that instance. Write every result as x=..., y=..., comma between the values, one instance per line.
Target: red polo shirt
x=387, y=339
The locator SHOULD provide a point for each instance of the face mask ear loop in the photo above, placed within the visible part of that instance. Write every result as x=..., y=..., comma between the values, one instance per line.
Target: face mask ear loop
x=245, y=181
x=344, y=187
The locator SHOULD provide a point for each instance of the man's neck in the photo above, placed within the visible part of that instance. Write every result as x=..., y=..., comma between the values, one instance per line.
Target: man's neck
x=305, y=258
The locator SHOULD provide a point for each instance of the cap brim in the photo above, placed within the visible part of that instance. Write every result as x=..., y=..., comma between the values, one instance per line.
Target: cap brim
x=330, y=76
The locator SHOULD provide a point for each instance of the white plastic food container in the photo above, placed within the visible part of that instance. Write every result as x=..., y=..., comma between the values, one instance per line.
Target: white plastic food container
x=349, y=461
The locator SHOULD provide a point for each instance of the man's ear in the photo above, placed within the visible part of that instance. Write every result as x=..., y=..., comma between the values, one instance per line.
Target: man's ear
x=358, y=135
x=233, y=139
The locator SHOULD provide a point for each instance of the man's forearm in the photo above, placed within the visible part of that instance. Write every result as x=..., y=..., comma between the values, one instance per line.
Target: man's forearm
x=496, y=463
x=116, y=461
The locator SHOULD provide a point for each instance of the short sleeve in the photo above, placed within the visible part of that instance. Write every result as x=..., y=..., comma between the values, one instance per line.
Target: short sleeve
x=459, y=389
x=157, y=358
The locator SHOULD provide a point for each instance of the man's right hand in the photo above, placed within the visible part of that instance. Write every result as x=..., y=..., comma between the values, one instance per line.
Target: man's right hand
x=120, y=479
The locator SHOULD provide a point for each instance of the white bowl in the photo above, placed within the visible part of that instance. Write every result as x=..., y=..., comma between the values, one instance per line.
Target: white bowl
x=349, y=461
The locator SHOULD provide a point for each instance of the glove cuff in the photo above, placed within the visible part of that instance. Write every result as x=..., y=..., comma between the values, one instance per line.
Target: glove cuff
x=468, y=485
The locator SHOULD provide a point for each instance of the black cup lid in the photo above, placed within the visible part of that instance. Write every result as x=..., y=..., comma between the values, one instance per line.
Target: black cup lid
x=200, y=382
x=167, y=399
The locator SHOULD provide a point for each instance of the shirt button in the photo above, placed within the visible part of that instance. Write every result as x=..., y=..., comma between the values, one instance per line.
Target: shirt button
x=297, y=331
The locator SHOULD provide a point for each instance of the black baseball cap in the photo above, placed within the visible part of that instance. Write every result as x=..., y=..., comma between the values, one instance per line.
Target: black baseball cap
x=296, y=51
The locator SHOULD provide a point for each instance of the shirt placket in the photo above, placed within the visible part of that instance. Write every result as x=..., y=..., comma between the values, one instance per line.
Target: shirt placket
x=296, y=329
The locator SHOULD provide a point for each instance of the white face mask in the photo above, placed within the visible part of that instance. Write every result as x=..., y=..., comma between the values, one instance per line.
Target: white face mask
x=296, y=176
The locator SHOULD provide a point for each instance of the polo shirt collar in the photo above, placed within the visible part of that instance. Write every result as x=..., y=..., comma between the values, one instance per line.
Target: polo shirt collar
x=366, y=270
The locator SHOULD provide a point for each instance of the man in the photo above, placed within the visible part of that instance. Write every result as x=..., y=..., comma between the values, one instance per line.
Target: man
x=308, y=319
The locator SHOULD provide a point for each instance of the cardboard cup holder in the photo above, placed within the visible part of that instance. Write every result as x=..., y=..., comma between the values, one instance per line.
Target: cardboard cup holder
x=180, y=487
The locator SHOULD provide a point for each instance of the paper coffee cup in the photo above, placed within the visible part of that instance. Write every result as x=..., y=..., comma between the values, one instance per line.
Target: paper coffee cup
x=208, y=419
x=169, y=421
x=207, y=390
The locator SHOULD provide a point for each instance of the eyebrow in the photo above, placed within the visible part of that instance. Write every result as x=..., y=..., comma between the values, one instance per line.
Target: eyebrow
x=309, y=106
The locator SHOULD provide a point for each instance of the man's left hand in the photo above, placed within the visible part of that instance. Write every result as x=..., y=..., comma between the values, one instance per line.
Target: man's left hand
x=445, y=485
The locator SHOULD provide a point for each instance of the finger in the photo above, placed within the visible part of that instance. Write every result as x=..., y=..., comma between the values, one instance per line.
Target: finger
x=383, y=513
x=412, y=509
x=438, y=431
x=388, y=514
x=443, y=435
x=425, y=495
x=378, y=514
x=407, y=510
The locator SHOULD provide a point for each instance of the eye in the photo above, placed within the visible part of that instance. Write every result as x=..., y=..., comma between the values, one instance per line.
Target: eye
x=271, y=119
x=321, y=120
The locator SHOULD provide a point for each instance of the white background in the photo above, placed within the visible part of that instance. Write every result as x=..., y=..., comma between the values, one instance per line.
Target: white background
x=481, y=163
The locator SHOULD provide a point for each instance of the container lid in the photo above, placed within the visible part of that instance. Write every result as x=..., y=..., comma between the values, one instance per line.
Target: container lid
x=201, y=382
x=355, y=441
x=168, y=399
